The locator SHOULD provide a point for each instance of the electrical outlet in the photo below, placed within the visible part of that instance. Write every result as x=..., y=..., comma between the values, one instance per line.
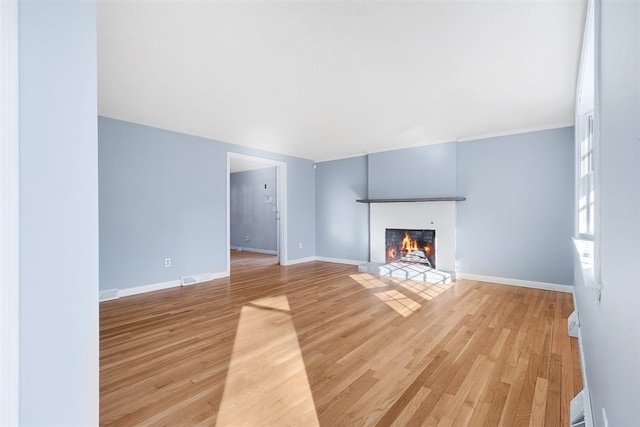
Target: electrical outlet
x=246, y=239
x=300, y=245
x=167, y=262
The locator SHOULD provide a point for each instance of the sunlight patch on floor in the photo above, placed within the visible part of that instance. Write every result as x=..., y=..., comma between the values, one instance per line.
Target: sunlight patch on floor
x=398, y=301
x=427, y=291
x=267, y=381
x=395, y=299
x=368, y=281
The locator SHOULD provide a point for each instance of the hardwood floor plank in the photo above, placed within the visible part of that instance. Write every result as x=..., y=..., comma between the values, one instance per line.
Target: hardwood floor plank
x=552, y=414
x=475, y=377
x=539, y=405
x=479, y=415
x=507, y=418
x=499, y=395
x=471, y=353
x=405, y=415
x=435, y=416
x=464, y=416
x=339, y=404
x=525, y=402
x=410, y=392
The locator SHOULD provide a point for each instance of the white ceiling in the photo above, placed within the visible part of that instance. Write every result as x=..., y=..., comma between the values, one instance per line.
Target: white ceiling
x=328, y=79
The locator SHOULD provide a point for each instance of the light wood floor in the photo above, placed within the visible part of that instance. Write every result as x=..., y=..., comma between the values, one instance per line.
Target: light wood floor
x=321, y=344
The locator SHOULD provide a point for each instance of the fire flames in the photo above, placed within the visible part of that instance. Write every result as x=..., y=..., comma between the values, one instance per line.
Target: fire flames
x=408, y=245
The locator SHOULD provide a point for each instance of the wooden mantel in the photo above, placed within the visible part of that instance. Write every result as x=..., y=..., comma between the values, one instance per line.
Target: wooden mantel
x=414, y=199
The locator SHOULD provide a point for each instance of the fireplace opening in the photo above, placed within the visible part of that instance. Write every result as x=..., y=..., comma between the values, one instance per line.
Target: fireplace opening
x=411, y=246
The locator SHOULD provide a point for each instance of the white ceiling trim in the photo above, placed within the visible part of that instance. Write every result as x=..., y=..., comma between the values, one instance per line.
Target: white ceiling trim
x=515, y=132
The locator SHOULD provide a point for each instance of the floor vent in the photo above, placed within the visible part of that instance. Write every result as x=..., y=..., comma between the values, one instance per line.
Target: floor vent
x=573, y=324
x=580, y=410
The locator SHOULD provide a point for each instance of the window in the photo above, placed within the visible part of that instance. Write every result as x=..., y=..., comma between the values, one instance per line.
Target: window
x=585, y=242
x=587, y=237
x=586, y=189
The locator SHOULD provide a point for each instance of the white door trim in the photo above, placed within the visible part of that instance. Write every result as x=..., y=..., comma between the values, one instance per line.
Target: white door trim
x=281, y=201
x=9, y=214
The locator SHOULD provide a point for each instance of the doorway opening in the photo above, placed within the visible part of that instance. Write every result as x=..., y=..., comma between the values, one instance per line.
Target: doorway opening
x=259, y=184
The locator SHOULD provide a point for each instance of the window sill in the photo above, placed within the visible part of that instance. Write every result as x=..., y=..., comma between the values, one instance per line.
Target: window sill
x=586, y=257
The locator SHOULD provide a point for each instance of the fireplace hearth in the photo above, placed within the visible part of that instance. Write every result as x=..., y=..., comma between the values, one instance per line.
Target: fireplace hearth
x=410, y=246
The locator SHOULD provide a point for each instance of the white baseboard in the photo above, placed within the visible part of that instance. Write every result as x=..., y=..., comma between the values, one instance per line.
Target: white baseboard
x=204, y=277
x=517, y=282
x=340, y=260
x=148, y=288
x=585, y=380
x=259, y=251
x=111, y=294
x=299, y=260
x=583, y=369
x=108, y=295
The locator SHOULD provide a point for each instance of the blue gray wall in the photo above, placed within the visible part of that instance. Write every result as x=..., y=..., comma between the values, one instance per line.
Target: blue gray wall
x=58, y=370
x=428, y=171
x=517, y=221
x=301, y=199
x=610, y=329
x=342, y=224
x=163, y=195
x=253, y=219
x=519, y=191
x=158, y=199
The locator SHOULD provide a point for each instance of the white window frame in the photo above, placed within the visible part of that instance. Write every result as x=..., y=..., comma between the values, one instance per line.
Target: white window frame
x=9, y=215
x=587, y=156
x=586, y=178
